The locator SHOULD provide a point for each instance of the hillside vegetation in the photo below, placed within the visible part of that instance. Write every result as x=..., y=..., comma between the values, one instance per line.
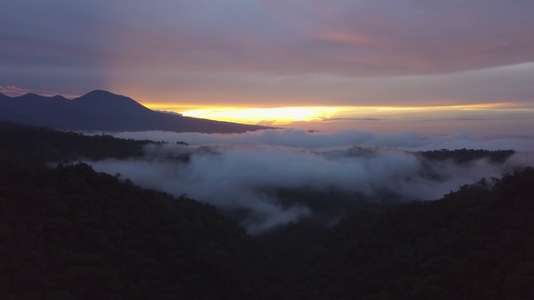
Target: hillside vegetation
x=69, y=232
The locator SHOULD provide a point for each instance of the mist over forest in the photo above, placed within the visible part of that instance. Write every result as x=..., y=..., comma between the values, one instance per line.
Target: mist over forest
x=271, y=178
x=349, y=138
x=265, y=215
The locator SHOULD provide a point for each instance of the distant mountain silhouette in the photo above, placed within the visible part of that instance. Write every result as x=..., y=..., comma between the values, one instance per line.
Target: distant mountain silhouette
x=104, y=111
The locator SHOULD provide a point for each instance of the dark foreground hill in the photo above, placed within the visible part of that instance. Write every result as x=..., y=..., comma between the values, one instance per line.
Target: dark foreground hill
x=104, y=111
x=71, y=233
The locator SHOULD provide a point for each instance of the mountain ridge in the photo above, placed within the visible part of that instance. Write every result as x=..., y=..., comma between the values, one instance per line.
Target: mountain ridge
x=101, y=110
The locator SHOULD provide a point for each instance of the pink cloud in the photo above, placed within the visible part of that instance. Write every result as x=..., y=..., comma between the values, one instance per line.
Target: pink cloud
x=350, y=38
x=13, y=91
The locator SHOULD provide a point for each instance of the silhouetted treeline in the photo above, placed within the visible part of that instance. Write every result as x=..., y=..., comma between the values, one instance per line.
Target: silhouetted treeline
x=40, y=145
x=467, y=155
x=73, y=233
x=477, y=243
x=70, y=232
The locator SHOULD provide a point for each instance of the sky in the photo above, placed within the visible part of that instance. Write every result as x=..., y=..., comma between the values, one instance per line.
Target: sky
x=435, y=67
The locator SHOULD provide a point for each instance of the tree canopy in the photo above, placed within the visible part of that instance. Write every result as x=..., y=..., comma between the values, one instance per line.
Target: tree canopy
x=69, y=232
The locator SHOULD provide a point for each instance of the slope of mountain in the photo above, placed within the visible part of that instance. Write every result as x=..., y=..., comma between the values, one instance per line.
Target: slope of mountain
x=104, y=111
x=72, y=233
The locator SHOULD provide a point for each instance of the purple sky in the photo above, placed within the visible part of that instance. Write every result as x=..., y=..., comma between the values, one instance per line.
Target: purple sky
x=276, y=53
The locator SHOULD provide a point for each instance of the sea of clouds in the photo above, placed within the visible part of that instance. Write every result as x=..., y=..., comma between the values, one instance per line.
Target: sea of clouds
x=236, y=172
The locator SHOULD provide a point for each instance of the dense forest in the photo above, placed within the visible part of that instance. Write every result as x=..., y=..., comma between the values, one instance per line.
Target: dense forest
x=69, y=232
x=465, y=155
x=38, y=145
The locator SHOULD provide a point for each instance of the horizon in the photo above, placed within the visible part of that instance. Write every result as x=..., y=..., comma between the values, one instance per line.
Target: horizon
x=433, y=68
x=309, y=125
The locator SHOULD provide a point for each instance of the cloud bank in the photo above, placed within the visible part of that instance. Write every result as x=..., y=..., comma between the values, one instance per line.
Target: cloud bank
x=276, y=177
x=317, y=140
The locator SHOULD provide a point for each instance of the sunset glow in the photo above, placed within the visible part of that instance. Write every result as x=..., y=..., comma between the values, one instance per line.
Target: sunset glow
x=279, y=116
x=317, y=65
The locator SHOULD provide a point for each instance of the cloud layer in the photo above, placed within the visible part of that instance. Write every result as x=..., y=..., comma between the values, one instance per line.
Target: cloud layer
x=362, y=38
x=316, y=140
x=272, y=52
x=278, y=177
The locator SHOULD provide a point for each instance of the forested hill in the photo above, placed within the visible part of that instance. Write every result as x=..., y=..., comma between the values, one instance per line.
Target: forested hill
x=72, y=233
x=477, y=243
x=25, y=144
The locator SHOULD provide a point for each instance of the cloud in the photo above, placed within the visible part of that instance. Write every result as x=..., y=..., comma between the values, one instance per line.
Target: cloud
x=276, y=177
x=317, y=140
x=168, y=112
x=13, y=91
x=266, y=122
x=349, y=119
x=273, y=53
x=110, y=44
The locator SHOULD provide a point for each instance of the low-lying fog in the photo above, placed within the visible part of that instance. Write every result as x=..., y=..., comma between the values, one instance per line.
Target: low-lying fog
x=273, y=177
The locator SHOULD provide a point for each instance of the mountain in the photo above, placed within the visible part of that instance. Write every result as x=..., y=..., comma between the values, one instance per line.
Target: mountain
x=104, y=111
